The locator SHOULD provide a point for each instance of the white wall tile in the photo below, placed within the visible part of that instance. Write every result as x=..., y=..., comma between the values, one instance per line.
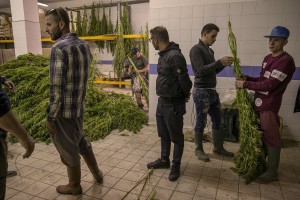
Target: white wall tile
x=222, y=9
x=236, y=21
x=235, y=9
x=249, y=8
x=221, y=47
x=165, y=23
x=198, y=23
x=164, y=13
x=260, y=47
x=186, y=36
x=263, y=7
x=247, y=34
x=175, y=12
x=261, y=20
x=153, y=23
x=297, y=49
x=175, y=24
x=278, y=6
x=245, y=59
x=292, y=6
x=259, y=33
x=248, y=21
x=291, y=19
x=256, y=59
x=198, y=11
x=223, y=34
x=222, y=22
x=196, y=35
x=186, y=23
x=276, y=20
x=186, y=12
x=175, y=35
x=296, y=57
x=210, y=10
x=154, y=13
x=209, y=20
x=186, y=46
x=290, y=47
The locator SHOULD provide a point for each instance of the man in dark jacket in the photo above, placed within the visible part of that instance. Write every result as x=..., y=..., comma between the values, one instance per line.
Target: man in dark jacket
x=205, y=96
x=173, y=87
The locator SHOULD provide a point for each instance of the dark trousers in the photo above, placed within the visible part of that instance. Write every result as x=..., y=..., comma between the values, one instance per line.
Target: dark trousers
x=169, y=118
x=3, y=163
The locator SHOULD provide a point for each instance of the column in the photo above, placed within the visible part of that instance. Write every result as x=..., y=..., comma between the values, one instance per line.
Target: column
x=26, y=27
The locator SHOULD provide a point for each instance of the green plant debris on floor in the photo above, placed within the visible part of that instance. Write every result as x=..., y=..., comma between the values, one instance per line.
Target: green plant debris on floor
x=104, y=111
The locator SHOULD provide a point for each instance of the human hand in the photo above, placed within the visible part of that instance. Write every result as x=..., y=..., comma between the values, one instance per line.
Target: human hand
x=51, y=127
x=227, y=60
x=29, y=146
x=241, y=77
x=10, y=85
x=239, y=84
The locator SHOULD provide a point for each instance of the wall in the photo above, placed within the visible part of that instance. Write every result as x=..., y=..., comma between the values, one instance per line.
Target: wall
x=251, y=20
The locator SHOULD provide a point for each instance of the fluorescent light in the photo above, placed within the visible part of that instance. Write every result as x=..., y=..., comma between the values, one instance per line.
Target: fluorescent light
x=42, y=4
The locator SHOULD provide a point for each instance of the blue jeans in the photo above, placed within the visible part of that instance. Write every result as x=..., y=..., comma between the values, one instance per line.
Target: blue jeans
x=169, y=118
x=207, y=102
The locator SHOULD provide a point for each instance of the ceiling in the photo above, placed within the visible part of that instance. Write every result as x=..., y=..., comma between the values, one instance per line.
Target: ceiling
x=63, y=3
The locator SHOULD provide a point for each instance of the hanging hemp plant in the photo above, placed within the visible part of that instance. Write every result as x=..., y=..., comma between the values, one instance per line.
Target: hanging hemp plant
x=93, y=22
x=72, y=22
x=110, y=44
x=143, y=42
x=104, y=25
x=120, y=54
x=98, y=27
x=126, y=29
x=84, y=22
x=78, y=24
x=250, y=159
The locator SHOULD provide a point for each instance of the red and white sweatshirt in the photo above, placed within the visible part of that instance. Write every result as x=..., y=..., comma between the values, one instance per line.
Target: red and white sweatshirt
x=274, y=77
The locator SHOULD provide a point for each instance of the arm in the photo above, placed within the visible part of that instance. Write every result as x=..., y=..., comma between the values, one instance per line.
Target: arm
x=57, y=83
x=280, y=72
x=146, y=66
x=181, y=72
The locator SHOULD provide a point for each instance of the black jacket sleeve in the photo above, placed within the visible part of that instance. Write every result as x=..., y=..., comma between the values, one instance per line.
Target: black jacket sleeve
x=181, y=72
x=198, y=57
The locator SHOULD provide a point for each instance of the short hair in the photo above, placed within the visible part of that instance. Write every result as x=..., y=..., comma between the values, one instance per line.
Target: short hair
x=59, y=14
x=208, y=28
x=161, y=33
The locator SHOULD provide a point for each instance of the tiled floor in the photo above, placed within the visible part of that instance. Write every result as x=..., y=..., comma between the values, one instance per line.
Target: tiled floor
x=123, y=156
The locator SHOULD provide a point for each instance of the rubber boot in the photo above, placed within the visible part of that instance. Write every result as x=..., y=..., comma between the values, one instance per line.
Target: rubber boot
x=91, y=162
x=138, y=97
x=218, y=140
x=273, y=162
x=73, y=187
x=11, y=174
x=199, y=152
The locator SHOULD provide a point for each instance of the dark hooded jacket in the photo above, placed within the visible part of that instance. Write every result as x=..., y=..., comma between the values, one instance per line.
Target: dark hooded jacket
x=173, y=83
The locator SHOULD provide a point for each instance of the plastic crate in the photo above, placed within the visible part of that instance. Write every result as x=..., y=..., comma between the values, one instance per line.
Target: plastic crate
x=229, y=124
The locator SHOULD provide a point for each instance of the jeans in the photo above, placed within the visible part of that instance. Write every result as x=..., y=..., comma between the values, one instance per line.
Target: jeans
x=207, y=102
x=169, y=118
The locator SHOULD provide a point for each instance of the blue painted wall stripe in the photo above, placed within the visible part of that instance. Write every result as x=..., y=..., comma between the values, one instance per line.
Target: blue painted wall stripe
x=228, y=71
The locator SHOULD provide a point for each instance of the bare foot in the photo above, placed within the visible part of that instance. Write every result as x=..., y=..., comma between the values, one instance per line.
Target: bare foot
x=29, y=147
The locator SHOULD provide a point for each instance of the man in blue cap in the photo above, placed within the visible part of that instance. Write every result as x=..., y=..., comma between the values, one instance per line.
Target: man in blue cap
x=277, y=71
x=142, y=65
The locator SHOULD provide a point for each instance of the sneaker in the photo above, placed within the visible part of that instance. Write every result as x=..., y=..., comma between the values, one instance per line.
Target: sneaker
x=159, y=164
x=174, y=173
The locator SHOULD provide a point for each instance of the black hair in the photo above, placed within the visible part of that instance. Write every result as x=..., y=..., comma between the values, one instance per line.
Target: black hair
x=160, y=33
x=208, y=28
x=59, y=14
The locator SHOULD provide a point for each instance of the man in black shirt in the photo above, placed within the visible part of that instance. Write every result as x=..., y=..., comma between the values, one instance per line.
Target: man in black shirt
x=173, y=87
x=205, y=96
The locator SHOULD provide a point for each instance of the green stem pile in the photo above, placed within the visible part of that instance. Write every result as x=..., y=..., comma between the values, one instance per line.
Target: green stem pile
x=104, y=111
x=250, y=159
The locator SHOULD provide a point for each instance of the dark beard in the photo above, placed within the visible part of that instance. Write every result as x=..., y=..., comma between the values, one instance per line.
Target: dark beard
x=57, y=34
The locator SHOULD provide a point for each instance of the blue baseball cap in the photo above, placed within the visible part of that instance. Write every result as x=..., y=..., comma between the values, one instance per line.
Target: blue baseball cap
x=135, y=50
x=279, y=31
